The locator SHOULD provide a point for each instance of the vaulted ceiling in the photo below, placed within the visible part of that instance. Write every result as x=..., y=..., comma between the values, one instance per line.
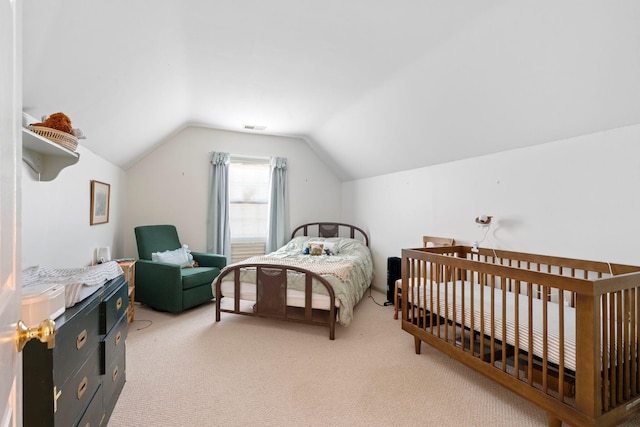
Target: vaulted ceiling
x=374, y=86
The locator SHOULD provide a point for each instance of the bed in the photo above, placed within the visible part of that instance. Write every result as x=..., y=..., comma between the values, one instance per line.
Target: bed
x=560, y=332
x=291, y=284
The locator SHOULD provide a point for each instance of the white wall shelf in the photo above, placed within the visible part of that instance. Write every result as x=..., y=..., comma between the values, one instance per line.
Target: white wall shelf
x=45, y=157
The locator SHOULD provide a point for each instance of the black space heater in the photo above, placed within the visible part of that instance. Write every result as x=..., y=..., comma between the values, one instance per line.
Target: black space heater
x=394, y=272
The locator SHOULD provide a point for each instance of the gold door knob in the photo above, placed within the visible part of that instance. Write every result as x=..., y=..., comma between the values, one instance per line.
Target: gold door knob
x=45, y=332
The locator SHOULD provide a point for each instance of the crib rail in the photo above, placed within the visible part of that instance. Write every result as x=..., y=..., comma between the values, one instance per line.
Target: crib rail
x=512, y=316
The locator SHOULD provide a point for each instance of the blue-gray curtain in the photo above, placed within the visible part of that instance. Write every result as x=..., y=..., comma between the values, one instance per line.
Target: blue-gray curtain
x=278, y=227
x=218, y=233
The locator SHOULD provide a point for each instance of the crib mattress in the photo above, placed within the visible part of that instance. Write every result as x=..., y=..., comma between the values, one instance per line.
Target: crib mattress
x=482, y=316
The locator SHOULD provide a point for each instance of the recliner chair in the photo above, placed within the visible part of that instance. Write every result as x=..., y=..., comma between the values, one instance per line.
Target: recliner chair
x=169, y=287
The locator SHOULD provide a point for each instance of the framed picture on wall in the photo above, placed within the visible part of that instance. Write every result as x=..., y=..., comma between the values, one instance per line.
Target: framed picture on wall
x=100, y=193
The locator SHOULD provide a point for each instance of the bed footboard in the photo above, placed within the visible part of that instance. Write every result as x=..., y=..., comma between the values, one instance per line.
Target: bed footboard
x=269, y=285
x=560, y=332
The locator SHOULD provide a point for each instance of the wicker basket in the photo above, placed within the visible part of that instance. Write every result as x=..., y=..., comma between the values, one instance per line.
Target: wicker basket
x=64, y=139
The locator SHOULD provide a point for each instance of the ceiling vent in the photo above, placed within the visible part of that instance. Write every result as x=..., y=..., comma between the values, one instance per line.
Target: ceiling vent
x=254, y=127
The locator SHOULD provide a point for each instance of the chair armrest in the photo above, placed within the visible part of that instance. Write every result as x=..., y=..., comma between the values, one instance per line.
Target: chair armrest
x=210, y=260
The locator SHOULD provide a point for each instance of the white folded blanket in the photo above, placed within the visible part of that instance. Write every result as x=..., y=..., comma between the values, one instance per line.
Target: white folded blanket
x=79, y=282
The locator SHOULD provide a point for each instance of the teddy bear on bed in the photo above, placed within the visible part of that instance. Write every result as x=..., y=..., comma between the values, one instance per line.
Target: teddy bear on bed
x=315, y=249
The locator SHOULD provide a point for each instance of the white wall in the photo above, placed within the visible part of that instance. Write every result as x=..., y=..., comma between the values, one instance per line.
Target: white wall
x=55, y=214
x=577, y=198
x=170, y=185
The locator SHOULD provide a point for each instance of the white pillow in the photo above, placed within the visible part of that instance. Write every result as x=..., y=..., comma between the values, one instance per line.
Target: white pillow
x=181, y=257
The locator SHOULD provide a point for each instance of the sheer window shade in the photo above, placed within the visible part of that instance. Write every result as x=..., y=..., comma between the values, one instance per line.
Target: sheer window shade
x=248, y=198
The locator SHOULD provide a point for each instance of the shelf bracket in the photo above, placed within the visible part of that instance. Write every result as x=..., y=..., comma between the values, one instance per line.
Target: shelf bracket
x=33, y=160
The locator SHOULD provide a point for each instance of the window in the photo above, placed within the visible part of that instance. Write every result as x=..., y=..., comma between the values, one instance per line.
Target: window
x=248, y=199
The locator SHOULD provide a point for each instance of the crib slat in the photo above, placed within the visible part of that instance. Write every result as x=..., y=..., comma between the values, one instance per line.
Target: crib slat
x=634, y=339
x=446, y=305
x=625, y=338
x=530, y=340
x=440, y=278
x=605, y=351
x=408, y=284
x=482, y=331
x=462, y=301
x=434, y=293
x=619, y=348
x=481, y=341
x=417, y=285
x=493, y=321
x=545, y=339
x=454, y=301
x=561, y=344
x=504, y=328
x=432, y=304
x=612, y=354
x=447, y=298
x=465, y=274
x=415, y=310
x=436, y=279
x=435, y=311
x=434, y=298
x=516, y=340
x=472, y=317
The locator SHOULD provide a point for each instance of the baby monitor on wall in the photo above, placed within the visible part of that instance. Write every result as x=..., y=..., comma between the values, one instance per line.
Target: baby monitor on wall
x=483, y=220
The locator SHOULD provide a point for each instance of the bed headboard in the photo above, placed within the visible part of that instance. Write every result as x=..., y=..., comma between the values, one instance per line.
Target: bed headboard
x=331, y=229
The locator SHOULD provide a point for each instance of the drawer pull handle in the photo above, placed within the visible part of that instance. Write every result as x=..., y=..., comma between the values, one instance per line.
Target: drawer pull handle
x=119, y=304
x=56, y=395
x=118, y=337
x=81, y=339
x=115, y=374
x=82, y=387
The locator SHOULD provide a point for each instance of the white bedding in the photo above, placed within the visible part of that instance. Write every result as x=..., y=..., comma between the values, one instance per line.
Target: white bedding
x=419, y=293
x=295, y=298
x=79, y=282
x=349, y=280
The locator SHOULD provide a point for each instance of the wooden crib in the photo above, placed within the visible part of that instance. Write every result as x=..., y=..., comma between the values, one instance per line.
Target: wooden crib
x=560, y=332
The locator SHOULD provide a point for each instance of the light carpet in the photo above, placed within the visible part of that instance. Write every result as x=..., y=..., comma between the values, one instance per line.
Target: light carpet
x=188, y=370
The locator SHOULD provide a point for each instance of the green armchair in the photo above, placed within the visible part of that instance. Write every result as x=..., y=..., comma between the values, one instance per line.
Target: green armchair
x=168, y=287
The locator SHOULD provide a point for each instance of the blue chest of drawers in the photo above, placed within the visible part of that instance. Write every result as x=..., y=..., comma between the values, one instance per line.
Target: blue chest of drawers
x=78, y=382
